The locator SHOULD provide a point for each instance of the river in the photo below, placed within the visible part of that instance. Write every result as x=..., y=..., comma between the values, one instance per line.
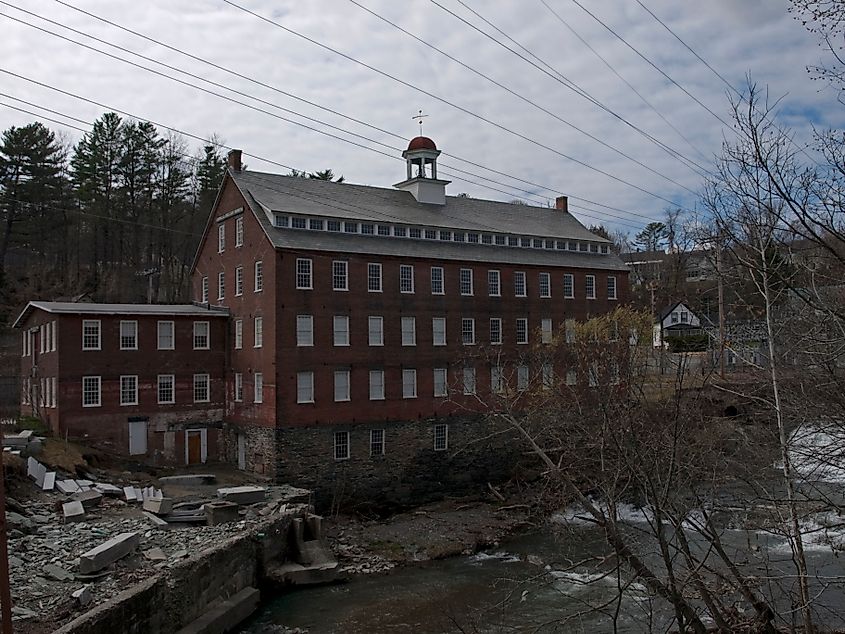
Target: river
x=533, y=582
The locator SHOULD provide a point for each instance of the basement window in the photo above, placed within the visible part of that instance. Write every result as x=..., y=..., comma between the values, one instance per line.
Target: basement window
x=341, y=445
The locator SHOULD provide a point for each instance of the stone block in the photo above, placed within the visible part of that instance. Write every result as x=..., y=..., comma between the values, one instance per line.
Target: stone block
x=108, y=489
x=108, y=552
x=157, y=521
x=159, y=506
x=188, y=480
x=82, y=597
x=67, y=486
x=242, y=494
x=155, y=554
x=49, y=481
x=57, y=572
x=129, y=492
x=89, y=499
x=31, y=467
x=73, y=511
x=220, y=512
x=224, y=615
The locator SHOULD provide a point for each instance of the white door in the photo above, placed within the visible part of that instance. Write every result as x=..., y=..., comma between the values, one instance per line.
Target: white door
x=241, y=452
x=137, y=438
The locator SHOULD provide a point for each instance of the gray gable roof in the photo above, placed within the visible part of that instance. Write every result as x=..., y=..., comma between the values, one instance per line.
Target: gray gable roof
x=361, y=203
x=84, y=308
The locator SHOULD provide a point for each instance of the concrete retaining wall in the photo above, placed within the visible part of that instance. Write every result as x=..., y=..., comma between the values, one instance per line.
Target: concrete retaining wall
x=180, y=595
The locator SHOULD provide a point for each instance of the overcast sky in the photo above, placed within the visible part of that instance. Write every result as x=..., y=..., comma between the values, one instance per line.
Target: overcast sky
x=543, y=147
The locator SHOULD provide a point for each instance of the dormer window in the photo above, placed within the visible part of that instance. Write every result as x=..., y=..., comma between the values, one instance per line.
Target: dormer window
x=399, y=232
x=414, y=233
x=280, y=221
x=350, y=227
x=297, y=223
x=384, y=230
x=315, y=224
x=446, y=235
x=333, y=225
x=430, y=234
x=472, y=237
x=367, y=229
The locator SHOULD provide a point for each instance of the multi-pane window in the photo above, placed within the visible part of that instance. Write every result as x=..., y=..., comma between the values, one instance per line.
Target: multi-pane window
x=221, y=285
x=406, y=278
x=571, y=377
x=568, y=285
x=341, y=330
x=468, y=331
x=239, y=281
x=239, y=231
x=201, y=388
x=593, y=375
x=522, y=330
x=497, y=382
x=238, y=392
x=375, y=330
x=221, y=238
x=546, y=330
x=376, y=385
x=466, y=282
x=374, y=277
x=204, y=290
x=409, y=331
x=570, y=331
x=304, y=387
x=438, y=331
x=590, y=286
x=303, y=274
x=258, y=387
x=201, y=337
x=495, y=330
x=258, y=332
x=129, y=389
x=341, y=385
x=409, y=383
x=91, y=334
x=304, y=330
x=469, y=380
x=165, y=335
x=90, y=391
x=166, y=389
x=545, y=285
x=440, y=385
x=437, y=280
x=519, y=286
x=548, y=376
x=128, y=335
x=239, y=334
x=611, y=287
x=522, y=377
x=340, y=275
x=441, y=437
x=376, y=442
x=341, y=445
x=494, y=283
x=258, y=282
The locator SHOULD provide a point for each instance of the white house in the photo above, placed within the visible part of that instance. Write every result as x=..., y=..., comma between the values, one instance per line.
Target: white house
x=676, y=319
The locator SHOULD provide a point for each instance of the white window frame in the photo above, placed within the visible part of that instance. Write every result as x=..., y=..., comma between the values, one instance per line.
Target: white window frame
x=497, y=379
x=441, y=331
x=545, y=283
x=438, y=281
x=374, y=278
x=129, y=378
x=199, y=379
x=466, y=282
x=204, y=289
x=375, y=330
x=520, y=280
x=88, y=323
x=305, y=384
x=133, y=345
x=304, y=331
x=377, y=446
x=494, y=283
x=239, y=334
x=406, y=278
x=408, y=327
x=238, y=387
x=221, y=285
x=342, y=450
x=547, y=376
x=239, y=281
x=98, y=381
x=568, y=286
x=239, y=231
x=165, y=324
x=590, y=286
x=441, y=437
x=197, y=336
x=546, y=331
x=304, y=274
x=522, y=330
x=340, y=275
x=468, y=377
x=441, y=380
x=221, y=238
x=258, y=277
x=340, y=331
x=611, y=287
x=172, y=379
x=496, y=340
x=342, y=391
x=258, y=387
x=376, y=386
x=409, y=383
x=258, y=332
x=468, y=331
x=522, y=377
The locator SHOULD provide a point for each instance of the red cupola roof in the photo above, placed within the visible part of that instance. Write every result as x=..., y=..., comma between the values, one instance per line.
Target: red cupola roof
x=421, y=143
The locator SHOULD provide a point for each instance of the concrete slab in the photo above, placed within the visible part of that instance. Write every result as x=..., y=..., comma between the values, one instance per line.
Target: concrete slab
x=159, y=506
x=224, y=615
x=49, y=481
x=85, y=483
x=139, y=494
x=89, y=499
x=31, y=466
x=220, y=512
x=157, y=521
x=129, y=492
x=73, y=511
x=242, y=494
x=67, y=486
x=155, y=554
x=195, y=479
x=108, y=489
x=107, y=553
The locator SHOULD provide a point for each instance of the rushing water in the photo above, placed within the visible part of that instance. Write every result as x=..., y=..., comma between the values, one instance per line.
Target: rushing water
x=533, y=583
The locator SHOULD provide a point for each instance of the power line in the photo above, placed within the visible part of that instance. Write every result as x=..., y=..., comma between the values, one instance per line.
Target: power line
x=449, y=103
x=393, y=156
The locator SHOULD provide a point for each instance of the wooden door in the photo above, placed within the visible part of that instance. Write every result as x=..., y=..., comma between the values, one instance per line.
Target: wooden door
x=194, y=447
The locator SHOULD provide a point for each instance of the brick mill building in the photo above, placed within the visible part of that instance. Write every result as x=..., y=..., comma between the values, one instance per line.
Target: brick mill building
x=361, y=322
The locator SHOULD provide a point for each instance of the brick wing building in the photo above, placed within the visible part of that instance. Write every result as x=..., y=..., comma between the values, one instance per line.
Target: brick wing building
x=355, y=312
x=142, y=380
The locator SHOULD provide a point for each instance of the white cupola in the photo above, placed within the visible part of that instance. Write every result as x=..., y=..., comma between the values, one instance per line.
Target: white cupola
x=422, y=182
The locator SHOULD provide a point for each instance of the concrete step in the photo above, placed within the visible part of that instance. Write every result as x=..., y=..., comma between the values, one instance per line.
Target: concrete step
x=290, y=573
x=225, y=614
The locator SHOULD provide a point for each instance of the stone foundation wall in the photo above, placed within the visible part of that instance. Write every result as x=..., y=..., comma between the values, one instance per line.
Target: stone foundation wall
x=409, y=472
x=259, y=447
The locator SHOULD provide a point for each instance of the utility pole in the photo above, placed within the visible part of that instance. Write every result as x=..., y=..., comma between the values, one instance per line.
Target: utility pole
x=721, y=308
x=5, y=590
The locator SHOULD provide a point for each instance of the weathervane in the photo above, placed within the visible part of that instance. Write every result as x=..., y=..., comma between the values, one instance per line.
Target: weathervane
x=419, y=117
